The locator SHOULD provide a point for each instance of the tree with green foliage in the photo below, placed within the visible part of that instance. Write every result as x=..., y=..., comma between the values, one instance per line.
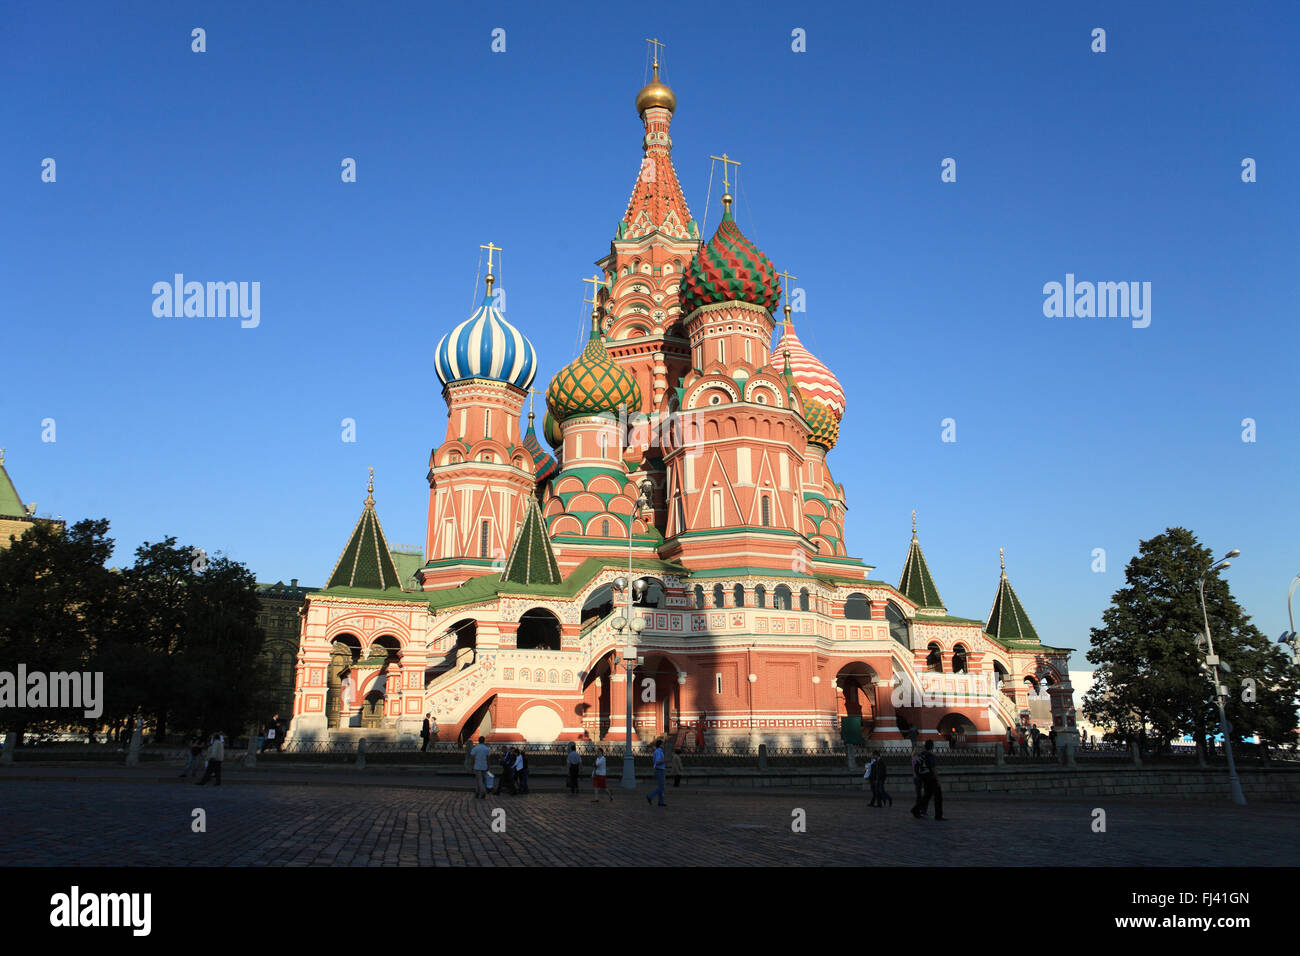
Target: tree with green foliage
x=57, y=597
x=1149, y=682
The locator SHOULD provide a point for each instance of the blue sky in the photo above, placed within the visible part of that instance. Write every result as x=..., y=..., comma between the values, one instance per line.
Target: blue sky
x=924, y=297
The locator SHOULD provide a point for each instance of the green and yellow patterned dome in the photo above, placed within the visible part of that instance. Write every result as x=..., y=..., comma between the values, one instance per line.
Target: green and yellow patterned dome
x=592, y=383
x=823, y=426
x=551, y=429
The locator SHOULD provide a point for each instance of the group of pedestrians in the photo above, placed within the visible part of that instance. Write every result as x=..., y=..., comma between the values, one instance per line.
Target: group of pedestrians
x=925, y=779
x=1029, y=741
x=209, y=756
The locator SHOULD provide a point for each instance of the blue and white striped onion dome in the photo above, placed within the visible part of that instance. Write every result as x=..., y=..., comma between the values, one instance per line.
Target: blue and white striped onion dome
x=486, y=346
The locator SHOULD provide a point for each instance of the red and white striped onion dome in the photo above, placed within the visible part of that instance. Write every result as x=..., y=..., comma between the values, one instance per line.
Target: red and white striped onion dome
x=815, y=380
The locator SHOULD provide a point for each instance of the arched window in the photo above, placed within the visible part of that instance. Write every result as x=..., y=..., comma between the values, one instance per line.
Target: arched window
x=959, y=659
x=803, y=599
x=699, y=596
x=934, y=660
x=857, y=607
x=760, y=596
x=767, y=511
x=717, y=596
x=738, y=595
x=781, y=598
x=604, y=528
x=539, y=629
x=897, y=623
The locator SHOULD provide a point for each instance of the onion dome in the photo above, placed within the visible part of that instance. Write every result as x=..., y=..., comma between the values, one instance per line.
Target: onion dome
x=592, y=383
x=823, y=427
x=551, y=429
x=730, y=268
x=655, y=93
x=815, y=380
x=486, y=346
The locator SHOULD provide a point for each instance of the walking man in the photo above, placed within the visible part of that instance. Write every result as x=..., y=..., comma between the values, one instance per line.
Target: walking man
x=480, y=754
x=574, y=762
x=930, y=785
x=917, y=782
x=677, y=769
x=660, y=775
x=216, y=754
x=521, y=770
x=195, y=743
x=424, y=734
x=879, y=773
x=1034, y=735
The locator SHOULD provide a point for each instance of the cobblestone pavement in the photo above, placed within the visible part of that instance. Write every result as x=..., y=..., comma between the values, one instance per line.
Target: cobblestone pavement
x=149, y=823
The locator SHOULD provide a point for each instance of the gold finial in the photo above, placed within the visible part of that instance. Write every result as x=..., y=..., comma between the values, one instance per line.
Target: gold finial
x=1002, y=553
x=490, y=277
x=655, y=45
x=726, y=183
x=595, y=281
x=787, y=277
x=370, y=487
x=913, y=522
x=2, y=456
x=531, y=393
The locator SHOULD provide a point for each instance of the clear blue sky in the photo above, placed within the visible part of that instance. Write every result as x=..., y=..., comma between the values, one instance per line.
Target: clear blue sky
x=925, y=297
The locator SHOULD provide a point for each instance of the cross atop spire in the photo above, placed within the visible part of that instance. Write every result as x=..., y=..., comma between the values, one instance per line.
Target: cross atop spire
x=655, y=46
x=595, y=288
x=787, y=277
x=370, y=487
x=913, y=522
x=1002, y=554
x=490, y=249
x=726, y=161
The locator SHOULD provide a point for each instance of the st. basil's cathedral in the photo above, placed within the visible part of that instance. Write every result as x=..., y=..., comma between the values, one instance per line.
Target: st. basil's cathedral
x=687, y=476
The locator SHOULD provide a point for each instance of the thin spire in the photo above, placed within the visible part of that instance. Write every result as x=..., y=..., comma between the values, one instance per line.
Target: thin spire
x=913, y=524
x=1002, y=555
x=786, y=288
x=370, y=487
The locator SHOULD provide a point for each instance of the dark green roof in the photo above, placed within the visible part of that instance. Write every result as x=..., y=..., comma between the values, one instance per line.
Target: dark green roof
x=10, y=503
x=916, y=581
x=407, y=563
x=531, y=559
x=366, y=562
x=1008, y=621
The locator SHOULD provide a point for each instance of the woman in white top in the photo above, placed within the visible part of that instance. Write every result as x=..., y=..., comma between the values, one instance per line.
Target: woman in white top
x=598, y=778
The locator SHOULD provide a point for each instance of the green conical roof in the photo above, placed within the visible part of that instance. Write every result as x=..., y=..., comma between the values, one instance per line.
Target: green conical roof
x=531, y=559
x=916, y=581
x=1008, y=621
x=10, y=504
x=366, y=562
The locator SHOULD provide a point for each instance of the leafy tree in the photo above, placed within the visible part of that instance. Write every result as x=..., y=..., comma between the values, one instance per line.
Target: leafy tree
x=1149, y=679
x=56, y=599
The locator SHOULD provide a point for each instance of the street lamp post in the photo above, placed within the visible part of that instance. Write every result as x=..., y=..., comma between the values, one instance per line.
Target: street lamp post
x=1289, y=638
x=634, y=627
x=1212, y=660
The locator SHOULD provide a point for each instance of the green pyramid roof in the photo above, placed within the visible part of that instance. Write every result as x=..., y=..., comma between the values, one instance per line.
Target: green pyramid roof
x=531, y=559
x=1008, y=621
x=10, y=504
x=366, y=562
x=916, y=581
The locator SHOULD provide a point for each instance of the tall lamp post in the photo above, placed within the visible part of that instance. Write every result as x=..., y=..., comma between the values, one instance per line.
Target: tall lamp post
x=1289, y=638
x=633, y=626
x=1211, y=665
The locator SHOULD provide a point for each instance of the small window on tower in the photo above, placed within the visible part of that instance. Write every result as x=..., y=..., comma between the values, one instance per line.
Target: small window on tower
x=487, y=423
x=767, y=511
x=484, y=530
x=604, y=528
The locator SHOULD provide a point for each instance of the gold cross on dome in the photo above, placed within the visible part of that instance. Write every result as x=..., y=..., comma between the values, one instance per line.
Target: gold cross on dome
x=595, y=281
x=726, y=161
x=655, y=45
x=531, y=393
x=787, y=277
x=491, y=249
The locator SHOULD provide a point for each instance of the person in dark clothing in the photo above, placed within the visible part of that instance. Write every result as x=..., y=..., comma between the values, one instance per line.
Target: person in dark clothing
x=574, y=763
x=879, y=773
x=424, y=734
x=930, y=784
x=1051, y=738
x=508, y=772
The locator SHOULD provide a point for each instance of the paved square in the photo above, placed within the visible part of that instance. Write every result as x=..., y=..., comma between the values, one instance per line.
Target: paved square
x=139, y=823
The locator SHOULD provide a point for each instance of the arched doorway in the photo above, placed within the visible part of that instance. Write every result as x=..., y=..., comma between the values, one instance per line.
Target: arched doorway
x=659, y=715
x=345, y=651
x=539, y=629
x=855, y=698
x=957, y=729
x=594, y=710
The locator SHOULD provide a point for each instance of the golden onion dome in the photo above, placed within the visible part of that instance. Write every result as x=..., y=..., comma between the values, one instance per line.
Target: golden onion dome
x=655, y=93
